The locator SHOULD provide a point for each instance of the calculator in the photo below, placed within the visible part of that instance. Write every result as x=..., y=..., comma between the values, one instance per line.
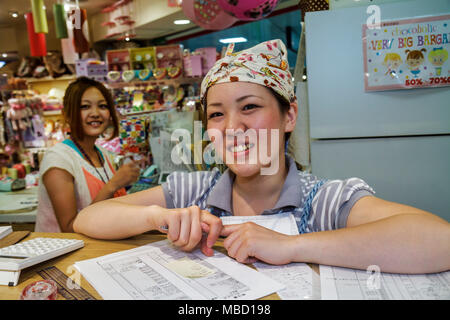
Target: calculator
x=19, y=256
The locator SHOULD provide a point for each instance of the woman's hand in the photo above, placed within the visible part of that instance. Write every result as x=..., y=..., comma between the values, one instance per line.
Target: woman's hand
x=248, y=242
x=126, y=175
x=185, y=227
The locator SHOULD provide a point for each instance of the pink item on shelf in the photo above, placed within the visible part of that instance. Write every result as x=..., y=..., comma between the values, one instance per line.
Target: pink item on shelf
x=92, y=68
x=207, y=14
x=209, y=58
x=192, y=66
x=248, y=10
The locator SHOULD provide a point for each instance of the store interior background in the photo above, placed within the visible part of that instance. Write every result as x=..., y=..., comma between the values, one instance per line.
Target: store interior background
x=154, y=26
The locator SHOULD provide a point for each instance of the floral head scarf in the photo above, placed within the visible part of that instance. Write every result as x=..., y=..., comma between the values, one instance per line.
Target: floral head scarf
x=265, y=64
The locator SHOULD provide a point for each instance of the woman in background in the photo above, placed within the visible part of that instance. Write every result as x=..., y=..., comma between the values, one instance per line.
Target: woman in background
x=76, y=172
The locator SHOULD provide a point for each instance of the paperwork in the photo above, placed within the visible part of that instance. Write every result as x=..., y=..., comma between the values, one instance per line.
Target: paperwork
x=160, y=271
x=350, y=284
x=301, y=282
x=281, y=222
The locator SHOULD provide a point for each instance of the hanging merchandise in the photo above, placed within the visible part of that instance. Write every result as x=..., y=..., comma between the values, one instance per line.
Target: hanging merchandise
x=38, y=46
x=119, y=20
x=60, y=21
x=133, y=135
x=207, y=14
x=39, y=15
x=80, y=30
x=248, y=10
x=67, y=44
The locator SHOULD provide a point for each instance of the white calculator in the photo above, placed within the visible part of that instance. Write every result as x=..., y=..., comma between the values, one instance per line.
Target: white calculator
x=19, y=256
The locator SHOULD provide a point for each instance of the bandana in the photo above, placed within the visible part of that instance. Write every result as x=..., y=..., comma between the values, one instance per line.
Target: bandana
x=265, y=64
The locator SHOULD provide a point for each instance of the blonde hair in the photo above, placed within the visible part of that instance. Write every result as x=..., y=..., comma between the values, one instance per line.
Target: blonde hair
x=436, y=52
x=392, y=56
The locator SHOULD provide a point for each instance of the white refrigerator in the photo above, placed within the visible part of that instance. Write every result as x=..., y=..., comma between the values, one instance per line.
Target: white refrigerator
x=398, y=141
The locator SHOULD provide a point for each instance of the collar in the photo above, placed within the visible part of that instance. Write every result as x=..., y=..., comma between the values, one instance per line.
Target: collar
x=290, y=196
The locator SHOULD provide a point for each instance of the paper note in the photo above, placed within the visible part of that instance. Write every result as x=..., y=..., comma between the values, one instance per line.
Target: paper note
x=301, y=282
x=350, y=284
x=281, y=222
x=161, y=271
x=189, y=269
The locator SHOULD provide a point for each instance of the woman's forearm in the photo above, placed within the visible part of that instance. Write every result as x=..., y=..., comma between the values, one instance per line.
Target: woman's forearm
x=404, y=243
x=112, y=219
x=107, y=192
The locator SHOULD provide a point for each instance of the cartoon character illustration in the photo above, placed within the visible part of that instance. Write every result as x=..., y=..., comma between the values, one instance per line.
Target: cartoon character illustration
x=392, y=62
x=437, y=57
x=414, y=59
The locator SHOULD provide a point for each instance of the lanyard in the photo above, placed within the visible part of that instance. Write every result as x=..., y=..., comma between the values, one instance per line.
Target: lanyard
x=92, y=164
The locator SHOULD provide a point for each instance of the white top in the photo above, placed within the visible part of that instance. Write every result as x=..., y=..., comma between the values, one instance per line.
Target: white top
x=66, y=156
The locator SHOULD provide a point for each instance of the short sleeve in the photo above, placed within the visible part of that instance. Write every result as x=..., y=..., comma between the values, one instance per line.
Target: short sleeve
x=333, y=202
x=183, y=189
x=55, y=159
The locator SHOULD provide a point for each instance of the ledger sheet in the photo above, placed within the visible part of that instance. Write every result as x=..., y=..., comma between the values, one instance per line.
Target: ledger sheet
x=350, y=284
x=161, y=271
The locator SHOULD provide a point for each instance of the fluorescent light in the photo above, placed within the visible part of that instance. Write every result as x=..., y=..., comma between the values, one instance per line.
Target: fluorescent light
x=233, y=40
x=182, y=22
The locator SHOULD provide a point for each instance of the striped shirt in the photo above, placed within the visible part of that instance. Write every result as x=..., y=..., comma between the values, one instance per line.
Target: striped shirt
x=329, y=209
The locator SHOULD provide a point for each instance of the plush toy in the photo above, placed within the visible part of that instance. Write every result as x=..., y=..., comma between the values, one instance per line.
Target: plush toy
x=27, y=66
x=55, y=65
x=18, y=114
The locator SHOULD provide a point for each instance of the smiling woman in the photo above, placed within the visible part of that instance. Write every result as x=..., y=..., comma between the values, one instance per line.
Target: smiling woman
x=337, y=222
x=76, y=172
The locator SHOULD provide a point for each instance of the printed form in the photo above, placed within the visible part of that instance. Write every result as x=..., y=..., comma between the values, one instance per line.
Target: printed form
x=300, y=281
x=350, y=284
x=161, y=271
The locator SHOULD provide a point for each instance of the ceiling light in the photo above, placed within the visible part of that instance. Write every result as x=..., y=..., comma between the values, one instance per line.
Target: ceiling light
x=182, y=22
x=4, y=55
x=233, y=40
x=14, y=14
x=127, y=39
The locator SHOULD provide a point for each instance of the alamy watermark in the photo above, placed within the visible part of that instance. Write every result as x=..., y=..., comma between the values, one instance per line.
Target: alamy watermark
x=373, y=282
x=374, y=20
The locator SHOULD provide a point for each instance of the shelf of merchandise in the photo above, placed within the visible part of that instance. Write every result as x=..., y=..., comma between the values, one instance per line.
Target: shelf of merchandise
x=69, y=77
x=154, y=82
x=43, y=85
x=52, y=112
